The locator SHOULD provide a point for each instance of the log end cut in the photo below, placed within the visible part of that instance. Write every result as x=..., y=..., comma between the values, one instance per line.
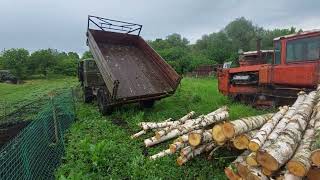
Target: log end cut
x=231, y=175
x=296, y=168
x=228, y=130
x=251, y=160
x=266, y=172
x=181, y=160
x=173, y=148
x=253, y=146
x=217, y=133
x=242, y=170
x=315, y=157
x=267, y=161
x=194, y=139
x=241, y=142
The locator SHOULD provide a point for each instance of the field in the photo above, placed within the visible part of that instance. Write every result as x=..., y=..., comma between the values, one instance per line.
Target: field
x=14, y=96
x=100, y=147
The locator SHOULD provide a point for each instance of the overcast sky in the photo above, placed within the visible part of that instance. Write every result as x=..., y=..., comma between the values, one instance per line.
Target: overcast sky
x=61, y=24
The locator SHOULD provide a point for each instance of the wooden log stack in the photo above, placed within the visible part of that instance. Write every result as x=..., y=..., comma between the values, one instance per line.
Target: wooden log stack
x=281, y=145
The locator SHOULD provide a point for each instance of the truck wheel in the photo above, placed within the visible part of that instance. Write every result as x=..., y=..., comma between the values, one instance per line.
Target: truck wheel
x=87, y=95
x=103, y=101
x=147, y=103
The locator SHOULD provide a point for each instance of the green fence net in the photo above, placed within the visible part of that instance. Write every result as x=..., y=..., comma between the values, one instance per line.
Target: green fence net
x=37, y=150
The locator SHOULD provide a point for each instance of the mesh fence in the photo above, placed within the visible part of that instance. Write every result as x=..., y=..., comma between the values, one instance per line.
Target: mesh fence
x=36, y=151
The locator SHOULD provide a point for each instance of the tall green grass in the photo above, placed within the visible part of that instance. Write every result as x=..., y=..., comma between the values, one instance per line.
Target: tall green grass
x=100, y=147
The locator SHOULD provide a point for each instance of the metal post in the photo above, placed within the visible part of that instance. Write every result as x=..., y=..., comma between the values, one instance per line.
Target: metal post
x=55, y=123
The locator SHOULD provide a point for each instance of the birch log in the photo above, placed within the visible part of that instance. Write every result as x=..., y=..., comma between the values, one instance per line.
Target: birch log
x=189, y=121
x=241, y=165
x=284, y=121
x=274, y=156
x=255, y=173
x=300, y=164
x=315, y=148
x=183, y=159
x=217, y=133
x=138, y=134
x=260, y=137
x=251, y=159
x=242, y=141
x=314, y=173
x=185, y=151
x=196, y=138
x=234, y=128
x=174, y=147
x=161, y=154
x=231, y=175
x=185, y=128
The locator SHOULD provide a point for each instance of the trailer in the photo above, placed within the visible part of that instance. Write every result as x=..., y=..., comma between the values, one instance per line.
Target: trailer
x=125, y=69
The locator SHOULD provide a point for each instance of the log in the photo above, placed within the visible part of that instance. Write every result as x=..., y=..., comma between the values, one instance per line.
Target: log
x=231, y=175
x=251, y=159
x=189, y=121
x=185, y=128
x=183, y=138
x=161, y=154
x=300, y=164
x=261, y=136
x=241, y=142
x=155, y=125
x=198, y=137
x=177, y=146
x=217, y=133
x=289, y=176
x=234, y=128
x=212, y=152
x=241, y=164
x=138, y=134
x=284, y=121
x=315, y=148
x=314, y=173
x=274, y=156
x=256, y=174
x=183, y=159
x=185, y=151
x=266, y=171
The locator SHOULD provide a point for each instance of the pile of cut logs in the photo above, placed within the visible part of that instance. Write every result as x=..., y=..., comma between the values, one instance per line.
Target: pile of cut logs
x=283, y=145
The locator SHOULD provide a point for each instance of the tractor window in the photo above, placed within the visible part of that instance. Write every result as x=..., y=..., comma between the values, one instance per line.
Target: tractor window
x=307, y=49
x=277, y=52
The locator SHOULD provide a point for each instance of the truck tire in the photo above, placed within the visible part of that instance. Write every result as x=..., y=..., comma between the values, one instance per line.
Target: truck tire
x=87, y=95
x=147, y=103
x=103, y=101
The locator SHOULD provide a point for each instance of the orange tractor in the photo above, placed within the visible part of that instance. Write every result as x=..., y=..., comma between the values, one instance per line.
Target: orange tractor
x=262, y=81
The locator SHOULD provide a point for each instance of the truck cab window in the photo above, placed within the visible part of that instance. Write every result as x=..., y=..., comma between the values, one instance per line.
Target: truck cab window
x=306, y=49
x=277, y=52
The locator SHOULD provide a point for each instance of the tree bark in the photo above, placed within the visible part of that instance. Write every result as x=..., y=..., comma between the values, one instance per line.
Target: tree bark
x=185, y=151
x=274, y=156
x=138, y=134
x=241, y=165
x=242, y=141
x=183, y=159
x=190, y=122
x=161, y=154
x=255, y=173
x=300, y=164
x=155, y=125
x=185, y=128
x=315, y=148
x=177, y=146
x=284, y=121
x=234, y=128
x=261, y=136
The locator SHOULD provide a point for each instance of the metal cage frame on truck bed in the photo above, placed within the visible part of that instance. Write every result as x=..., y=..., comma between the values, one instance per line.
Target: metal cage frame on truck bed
x=114, y=25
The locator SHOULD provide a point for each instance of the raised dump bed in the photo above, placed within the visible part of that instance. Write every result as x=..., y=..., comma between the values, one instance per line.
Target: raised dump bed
x=130, y=69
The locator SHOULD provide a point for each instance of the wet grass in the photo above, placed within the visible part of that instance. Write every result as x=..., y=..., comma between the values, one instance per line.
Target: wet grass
x=100, y=147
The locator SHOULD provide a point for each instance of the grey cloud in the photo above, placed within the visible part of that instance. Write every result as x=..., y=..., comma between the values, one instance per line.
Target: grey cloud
x=60, y=24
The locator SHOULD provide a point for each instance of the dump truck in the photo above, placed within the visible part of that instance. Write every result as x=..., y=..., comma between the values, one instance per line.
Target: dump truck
x=124, y=69
x=295, y=67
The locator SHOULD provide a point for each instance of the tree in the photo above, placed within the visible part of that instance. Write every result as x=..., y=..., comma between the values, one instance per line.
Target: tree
x=44, y=60
x=86, y=55
x=16, y=60
x=241, y=31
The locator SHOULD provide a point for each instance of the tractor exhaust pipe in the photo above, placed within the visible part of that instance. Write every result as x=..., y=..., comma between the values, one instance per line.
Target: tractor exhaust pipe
x=259, y=47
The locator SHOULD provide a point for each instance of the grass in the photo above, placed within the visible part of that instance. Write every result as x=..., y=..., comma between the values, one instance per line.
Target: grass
x=14, y=96
x=100, y=147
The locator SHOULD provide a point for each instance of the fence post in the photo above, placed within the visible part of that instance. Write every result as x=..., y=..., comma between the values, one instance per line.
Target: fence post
x=55, y=123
